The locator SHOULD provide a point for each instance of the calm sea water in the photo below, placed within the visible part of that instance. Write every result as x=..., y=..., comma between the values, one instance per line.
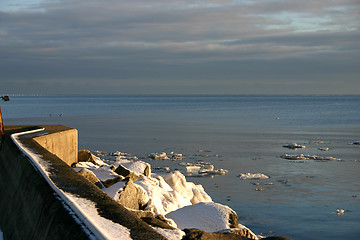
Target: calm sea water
x=238, y=133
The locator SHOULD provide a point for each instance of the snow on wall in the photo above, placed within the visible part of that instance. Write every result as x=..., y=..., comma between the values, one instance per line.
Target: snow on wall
x=84, y=210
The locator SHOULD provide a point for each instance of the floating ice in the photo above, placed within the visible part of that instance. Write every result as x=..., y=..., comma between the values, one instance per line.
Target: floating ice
x=340, y=211
x=248, y=176
x=294, y=146
x=308, y=157
x=201, y=169
x=159, y=156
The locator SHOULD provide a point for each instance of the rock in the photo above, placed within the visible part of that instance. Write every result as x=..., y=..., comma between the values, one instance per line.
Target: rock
x=87, y=156
x=241, y=231
x=196, y=234
x=112, y=181
x=91, y=177
x=156, y=222
x=133, y=170
x=178, y=183
x=142, y=213
x=276, y=238
x=207, y=216
x=127, y=173
x=133, y=196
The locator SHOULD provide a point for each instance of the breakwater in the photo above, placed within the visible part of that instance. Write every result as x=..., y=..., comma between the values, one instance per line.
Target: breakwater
x=31, y=208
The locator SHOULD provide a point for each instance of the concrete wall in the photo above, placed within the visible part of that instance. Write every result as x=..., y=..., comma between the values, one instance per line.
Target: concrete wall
x=29, y=206
x=29, y=209
x=63, y=144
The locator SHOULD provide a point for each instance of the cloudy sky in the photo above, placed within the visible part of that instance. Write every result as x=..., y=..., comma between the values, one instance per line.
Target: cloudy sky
x=180, y=47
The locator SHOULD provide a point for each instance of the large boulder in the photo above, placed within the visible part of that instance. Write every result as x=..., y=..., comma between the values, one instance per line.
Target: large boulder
x=178, y=183
x=206, y=216
x=91, y=177
x=87, y=156
x=133, y=196
x=123, y=171
x=133, y=169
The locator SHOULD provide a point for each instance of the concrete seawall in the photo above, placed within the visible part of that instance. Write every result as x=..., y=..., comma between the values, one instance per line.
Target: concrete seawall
x=63, y=144
x=29, y=206
x=29, y=209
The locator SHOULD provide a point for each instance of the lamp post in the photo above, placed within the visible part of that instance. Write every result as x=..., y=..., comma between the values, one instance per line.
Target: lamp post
x=4, y=98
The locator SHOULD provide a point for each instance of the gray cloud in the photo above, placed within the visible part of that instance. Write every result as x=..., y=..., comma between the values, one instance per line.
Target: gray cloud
x=181, y=47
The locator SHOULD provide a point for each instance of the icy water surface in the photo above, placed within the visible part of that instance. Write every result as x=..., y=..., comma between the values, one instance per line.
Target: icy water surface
x=241, y=134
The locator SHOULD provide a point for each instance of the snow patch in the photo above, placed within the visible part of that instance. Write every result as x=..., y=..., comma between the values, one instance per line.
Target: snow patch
x=84, y=209
x=112, y=230
x=114, y=190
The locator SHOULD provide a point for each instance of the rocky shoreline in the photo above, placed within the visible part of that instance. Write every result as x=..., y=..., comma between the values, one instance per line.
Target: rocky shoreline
x=174, y=207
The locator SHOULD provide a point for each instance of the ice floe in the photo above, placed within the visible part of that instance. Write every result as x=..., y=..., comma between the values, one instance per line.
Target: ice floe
x=249, y=176
x=294, y=146
x=309, y=157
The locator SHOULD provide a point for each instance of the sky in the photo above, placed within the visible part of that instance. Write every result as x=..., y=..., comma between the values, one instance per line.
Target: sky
x=179, y=47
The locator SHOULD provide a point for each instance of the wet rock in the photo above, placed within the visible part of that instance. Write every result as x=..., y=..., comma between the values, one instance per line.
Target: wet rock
x=91, y=177
x=133, y=196
x=196, y=234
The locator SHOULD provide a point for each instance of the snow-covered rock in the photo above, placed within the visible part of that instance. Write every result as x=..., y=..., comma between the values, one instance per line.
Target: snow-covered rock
x=115, y=189
x=162, y=198
x=133, y=196
x=207, y=216
x=138, y=167
x=91, y=177
x=178, y=183
x=171, y=192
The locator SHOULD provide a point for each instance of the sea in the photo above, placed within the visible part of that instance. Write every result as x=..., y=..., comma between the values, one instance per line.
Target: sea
x=302, y=199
